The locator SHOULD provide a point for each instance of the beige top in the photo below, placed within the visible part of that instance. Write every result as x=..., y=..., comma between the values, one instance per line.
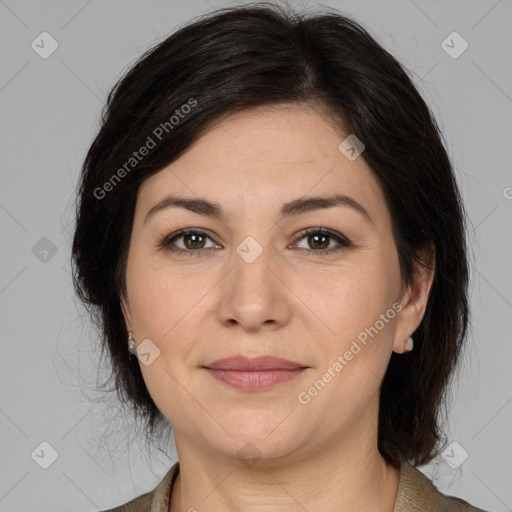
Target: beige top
x=416, y=493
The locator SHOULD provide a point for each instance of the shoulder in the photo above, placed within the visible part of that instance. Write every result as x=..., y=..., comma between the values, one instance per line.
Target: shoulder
x=156, y=500
x=140, y=504
x=417, y=493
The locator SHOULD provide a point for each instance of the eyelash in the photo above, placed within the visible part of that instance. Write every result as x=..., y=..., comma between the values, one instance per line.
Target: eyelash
x=342, y=240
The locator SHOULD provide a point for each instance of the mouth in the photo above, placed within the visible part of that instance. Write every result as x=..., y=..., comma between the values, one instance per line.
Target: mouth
x=254, y=374
x=254, y=380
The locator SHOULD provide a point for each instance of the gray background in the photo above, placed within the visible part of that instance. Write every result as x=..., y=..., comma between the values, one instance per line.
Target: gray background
x=49, y=111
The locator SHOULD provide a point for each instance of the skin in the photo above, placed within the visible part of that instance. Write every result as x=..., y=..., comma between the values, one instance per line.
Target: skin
x=291, y=303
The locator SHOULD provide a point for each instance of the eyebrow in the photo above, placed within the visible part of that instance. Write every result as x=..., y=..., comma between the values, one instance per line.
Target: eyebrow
x=296, y=207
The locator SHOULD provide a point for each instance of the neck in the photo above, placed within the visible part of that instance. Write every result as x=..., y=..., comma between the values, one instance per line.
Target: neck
x=346, y=476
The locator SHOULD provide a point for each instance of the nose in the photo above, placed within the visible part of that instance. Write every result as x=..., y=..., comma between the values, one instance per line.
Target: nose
x=254, y=294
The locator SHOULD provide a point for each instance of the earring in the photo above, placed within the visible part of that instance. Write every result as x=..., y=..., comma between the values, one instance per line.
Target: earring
x=131, y=344
x=410, y=345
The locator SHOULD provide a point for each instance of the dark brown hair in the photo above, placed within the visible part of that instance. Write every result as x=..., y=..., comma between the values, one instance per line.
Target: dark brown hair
x=261, y=55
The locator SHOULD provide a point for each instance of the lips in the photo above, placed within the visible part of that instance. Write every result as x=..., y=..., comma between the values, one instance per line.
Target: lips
x=242, y=363
x=254, y=374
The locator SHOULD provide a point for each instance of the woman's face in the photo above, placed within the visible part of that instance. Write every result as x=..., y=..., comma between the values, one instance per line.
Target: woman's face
x=250, y=282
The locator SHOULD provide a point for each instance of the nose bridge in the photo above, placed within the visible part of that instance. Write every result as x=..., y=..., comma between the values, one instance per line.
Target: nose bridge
x=251, y=261
x=253, y=295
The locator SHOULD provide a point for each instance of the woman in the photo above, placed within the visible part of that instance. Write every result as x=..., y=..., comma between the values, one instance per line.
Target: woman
x=272, y=237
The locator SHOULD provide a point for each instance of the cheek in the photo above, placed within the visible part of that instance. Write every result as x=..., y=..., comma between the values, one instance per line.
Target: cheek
x=360, y=318
x=152, y=304
x=159, y=294
x=348, y=302
x=358, y=312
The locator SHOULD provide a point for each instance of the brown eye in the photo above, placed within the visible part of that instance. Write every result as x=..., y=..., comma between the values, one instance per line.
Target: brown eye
x=192, y=242
x=319, y=239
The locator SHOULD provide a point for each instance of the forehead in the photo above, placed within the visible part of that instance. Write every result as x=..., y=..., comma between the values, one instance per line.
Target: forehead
x=265, y=157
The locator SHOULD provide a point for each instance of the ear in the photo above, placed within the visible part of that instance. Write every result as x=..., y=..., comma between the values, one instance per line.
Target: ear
x=414, y=301
x=126, y=313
